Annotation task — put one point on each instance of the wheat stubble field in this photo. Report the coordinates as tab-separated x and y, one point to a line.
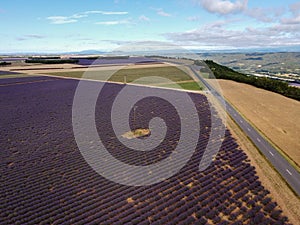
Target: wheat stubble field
274	115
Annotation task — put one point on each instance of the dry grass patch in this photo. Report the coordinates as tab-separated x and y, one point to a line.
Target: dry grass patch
136	133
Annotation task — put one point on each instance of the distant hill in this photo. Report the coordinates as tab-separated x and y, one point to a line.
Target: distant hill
250	50
86	52
177	49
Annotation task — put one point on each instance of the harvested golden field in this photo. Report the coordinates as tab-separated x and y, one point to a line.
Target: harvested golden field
273	114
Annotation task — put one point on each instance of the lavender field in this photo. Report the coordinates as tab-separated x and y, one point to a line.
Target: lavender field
45	180
2	72
111	61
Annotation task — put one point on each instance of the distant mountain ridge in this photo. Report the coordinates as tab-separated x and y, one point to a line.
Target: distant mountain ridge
87	52
195	51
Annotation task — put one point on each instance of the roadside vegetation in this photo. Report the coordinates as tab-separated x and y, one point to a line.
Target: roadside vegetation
223	72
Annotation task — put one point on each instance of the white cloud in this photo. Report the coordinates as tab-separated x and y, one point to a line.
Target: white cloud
218	35
74	18
161	12
144	18
293	20
193	18
115	22
30	36
37	36
259	14
106	12
272	15
295	10
223	7
77	16
61	19
262	14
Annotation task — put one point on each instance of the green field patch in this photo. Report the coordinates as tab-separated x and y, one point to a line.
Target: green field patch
6	76
191	85
204	75
173	74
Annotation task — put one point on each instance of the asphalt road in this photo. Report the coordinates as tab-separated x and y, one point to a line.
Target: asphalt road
287	171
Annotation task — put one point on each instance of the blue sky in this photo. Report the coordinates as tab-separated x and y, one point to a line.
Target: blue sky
51	26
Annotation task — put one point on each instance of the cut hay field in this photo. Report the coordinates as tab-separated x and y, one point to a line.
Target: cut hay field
274	115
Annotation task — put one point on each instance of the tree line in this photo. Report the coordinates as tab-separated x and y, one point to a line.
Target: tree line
223	72
5	63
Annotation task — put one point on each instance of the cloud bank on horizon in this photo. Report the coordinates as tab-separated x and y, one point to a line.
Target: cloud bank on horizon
194	24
